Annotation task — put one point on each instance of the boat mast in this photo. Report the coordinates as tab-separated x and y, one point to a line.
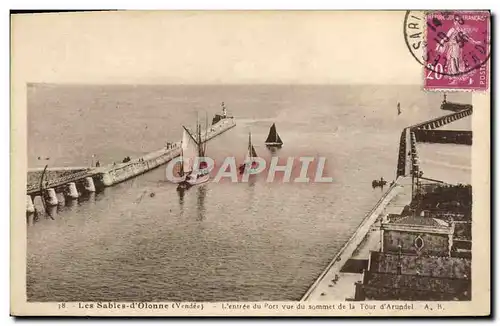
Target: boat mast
249	145
206	134
182	161
197	136
200	143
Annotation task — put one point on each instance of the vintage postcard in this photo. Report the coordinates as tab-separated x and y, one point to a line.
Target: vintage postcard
251	163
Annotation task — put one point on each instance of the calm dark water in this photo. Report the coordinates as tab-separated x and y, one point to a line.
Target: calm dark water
246	241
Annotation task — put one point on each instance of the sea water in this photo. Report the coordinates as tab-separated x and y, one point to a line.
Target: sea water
220	241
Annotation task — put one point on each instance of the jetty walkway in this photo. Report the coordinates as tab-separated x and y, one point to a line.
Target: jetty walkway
426	132
71	182
333	284
321	289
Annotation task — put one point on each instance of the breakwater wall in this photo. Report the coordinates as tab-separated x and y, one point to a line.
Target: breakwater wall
450	106
124	171
425	132
51	175
117	173
444	136
441	121
55	179
404	148
60	184
58	169
398	195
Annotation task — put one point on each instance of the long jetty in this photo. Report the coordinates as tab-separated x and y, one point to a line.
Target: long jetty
110	176
425	132
327	287
72	182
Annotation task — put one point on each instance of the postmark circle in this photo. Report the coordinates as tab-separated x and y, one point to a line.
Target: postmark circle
449	43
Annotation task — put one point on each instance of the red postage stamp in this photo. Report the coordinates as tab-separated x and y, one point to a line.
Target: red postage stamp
457	50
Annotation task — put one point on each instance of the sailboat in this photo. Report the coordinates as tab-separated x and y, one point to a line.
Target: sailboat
188	152
250	154
399	108
199	175
273	139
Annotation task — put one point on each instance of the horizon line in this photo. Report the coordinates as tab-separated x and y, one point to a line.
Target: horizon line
211	84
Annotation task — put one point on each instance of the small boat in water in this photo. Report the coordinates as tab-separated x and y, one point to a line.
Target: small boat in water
251	153
379	183
273	139
399	108
193	179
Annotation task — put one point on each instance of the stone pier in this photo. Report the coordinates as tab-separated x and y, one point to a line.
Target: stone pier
58	184
71	191
30	207
89	184
60	198
425	132
51	197
120	172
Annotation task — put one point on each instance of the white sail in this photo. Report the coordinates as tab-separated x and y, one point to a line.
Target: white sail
189	151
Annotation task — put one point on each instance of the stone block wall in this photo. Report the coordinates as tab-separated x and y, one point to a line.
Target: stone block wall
433	244
447	267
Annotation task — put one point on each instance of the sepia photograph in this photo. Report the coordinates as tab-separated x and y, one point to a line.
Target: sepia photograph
179	166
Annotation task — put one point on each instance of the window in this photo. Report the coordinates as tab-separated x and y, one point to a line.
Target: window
419	243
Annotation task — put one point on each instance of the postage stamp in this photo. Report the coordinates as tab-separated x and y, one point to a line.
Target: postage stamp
455	48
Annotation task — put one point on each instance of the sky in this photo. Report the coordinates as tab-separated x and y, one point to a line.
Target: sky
189	47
